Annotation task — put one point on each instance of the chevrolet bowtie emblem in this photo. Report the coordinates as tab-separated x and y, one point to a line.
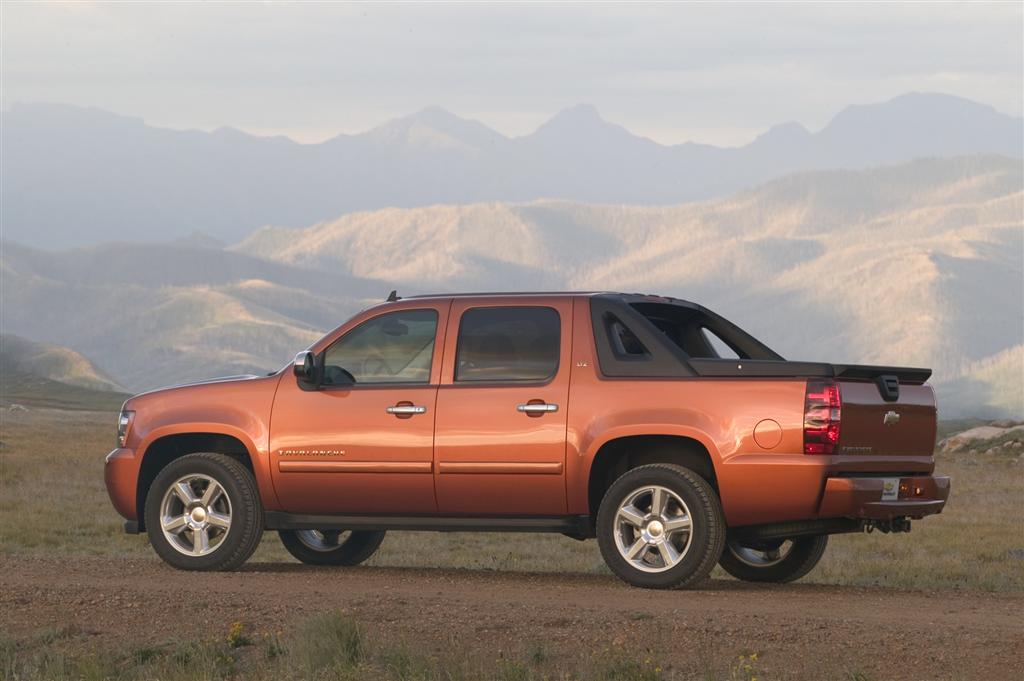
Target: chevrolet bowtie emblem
891	418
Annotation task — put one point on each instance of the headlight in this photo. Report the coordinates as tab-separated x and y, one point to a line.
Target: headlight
124	422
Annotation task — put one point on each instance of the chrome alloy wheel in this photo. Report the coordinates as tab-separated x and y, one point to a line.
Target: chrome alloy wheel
321	540
761	556
653	528
195	515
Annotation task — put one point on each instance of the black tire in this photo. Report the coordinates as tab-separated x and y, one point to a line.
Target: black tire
330	548
242	503
703	543
804	553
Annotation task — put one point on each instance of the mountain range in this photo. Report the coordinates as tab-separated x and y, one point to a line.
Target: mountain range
76	176
915	263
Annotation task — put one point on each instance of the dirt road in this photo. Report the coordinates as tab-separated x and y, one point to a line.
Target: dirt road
797	630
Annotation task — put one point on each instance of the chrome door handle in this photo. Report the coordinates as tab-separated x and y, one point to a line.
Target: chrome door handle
403	409
541	408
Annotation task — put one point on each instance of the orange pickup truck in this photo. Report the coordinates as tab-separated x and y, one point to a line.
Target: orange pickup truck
653	424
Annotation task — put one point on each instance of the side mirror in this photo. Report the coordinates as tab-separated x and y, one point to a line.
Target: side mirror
304	367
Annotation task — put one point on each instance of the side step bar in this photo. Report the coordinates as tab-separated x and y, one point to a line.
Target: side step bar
575	526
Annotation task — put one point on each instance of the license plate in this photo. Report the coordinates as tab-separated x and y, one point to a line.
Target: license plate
890	489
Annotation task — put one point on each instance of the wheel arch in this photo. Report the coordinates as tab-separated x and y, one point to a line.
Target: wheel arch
618	454
166	448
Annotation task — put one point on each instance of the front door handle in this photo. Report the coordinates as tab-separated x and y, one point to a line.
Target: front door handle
406	409
537	408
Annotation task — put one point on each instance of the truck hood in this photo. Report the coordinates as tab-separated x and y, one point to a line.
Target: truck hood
222	379
191	386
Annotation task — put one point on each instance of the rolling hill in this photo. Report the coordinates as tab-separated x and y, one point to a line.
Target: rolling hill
119	179
42	375
161	314
915	264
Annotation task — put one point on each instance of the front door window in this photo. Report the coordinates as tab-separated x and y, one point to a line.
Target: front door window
392	348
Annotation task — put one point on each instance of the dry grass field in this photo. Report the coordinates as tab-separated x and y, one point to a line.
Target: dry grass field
53	508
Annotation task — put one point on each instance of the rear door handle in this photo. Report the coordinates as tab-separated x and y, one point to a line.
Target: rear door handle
406	409
537	408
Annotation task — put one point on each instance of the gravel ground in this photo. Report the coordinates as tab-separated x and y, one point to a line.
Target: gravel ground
798	631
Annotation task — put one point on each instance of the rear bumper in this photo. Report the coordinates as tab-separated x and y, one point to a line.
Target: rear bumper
862	498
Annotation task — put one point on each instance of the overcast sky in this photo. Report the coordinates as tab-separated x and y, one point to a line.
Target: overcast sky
711	73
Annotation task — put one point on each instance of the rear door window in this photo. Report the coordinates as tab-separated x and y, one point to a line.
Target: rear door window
508	344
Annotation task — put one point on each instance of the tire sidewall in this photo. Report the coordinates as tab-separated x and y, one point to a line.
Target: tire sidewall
246	512
357	548
706	517
804	555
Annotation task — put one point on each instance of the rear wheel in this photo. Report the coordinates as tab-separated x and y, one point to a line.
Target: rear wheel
203	512
331	547
779	560
660	526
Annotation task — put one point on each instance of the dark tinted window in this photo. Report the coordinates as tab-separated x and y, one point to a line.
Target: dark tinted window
393	348
625	344
508	344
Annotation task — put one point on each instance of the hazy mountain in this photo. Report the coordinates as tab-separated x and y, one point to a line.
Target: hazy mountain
119	179
160	314
917	264
994	381
42	375
52	362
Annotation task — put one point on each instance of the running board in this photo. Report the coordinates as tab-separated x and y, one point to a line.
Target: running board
573	525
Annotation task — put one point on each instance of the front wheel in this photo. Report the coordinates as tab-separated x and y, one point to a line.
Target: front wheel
331	547
780	560
203	512
660	526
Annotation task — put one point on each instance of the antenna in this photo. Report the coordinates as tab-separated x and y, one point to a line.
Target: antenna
393	296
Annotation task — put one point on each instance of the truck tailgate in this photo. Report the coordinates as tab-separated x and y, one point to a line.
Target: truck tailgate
873	426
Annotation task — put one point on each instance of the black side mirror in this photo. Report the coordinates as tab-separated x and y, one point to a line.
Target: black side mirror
304	367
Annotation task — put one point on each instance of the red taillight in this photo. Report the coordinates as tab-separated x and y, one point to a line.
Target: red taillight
822	408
